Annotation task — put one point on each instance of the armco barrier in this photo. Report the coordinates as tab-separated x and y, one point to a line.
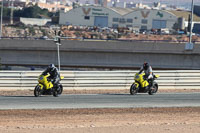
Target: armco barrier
180	79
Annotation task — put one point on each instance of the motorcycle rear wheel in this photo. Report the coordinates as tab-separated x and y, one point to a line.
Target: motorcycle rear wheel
37	92
133	89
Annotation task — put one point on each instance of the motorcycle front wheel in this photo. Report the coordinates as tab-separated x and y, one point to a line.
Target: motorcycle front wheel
153	89
55	92
37	92
133	89
60	90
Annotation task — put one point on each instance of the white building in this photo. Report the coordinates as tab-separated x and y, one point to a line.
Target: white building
42	1
34	21
118	17
88	16
147	19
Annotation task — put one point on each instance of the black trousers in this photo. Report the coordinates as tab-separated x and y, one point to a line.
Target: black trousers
150	81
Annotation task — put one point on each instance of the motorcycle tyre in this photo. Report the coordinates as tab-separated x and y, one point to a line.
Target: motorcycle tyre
151	92
133	89
55	92
60	90
37	92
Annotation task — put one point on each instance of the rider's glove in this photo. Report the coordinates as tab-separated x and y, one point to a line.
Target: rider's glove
150	76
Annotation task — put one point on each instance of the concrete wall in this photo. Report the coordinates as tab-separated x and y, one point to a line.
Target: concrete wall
103	54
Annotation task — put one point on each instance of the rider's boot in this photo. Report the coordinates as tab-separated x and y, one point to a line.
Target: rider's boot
150	83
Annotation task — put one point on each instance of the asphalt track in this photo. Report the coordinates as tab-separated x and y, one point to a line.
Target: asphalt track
101	101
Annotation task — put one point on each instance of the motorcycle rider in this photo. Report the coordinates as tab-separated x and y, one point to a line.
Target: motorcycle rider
148	73
54	74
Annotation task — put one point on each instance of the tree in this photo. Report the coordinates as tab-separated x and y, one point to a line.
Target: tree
29	12
6	11
32	12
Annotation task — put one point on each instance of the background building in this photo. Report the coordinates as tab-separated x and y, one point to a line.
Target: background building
101	2
88	16
34	21
54	7
140	18
118	17
147	19
197	10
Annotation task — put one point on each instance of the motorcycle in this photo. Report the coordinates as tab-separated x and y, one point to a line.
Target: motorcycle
141	85
46	87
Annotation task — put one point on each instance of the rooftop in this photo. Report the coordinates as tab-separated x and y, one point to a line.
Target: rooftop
122	11
184	14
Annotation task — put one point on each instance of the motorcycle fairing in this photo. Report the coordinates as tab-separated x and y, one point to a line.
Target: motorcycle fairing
43	81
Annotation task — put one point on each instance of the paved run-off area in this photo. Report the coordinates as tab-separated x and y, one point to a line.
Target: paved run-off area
128	120
114	100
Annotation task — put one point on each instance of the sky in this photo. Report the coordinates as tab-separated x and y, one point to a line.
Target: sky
178	3
183	3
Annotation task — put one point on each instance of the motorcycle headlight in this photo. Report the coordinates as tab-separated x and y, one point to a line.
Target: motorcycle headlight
41	78
136	77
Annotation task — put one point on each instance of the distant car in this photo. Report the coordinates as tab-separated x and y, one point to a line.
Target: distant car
44	38
181	32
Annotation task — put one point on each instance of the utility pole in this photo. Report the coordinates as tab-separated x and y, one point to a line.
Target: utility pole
190	45
56	6
1	18
11	12
192	8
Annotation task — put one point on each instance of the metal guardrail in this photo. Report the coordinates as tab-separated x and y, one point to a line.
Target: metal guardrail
179	79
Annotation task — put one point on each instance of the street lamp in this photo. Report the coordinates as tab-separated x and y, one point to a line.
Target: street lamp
190	45
57	41
58	44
